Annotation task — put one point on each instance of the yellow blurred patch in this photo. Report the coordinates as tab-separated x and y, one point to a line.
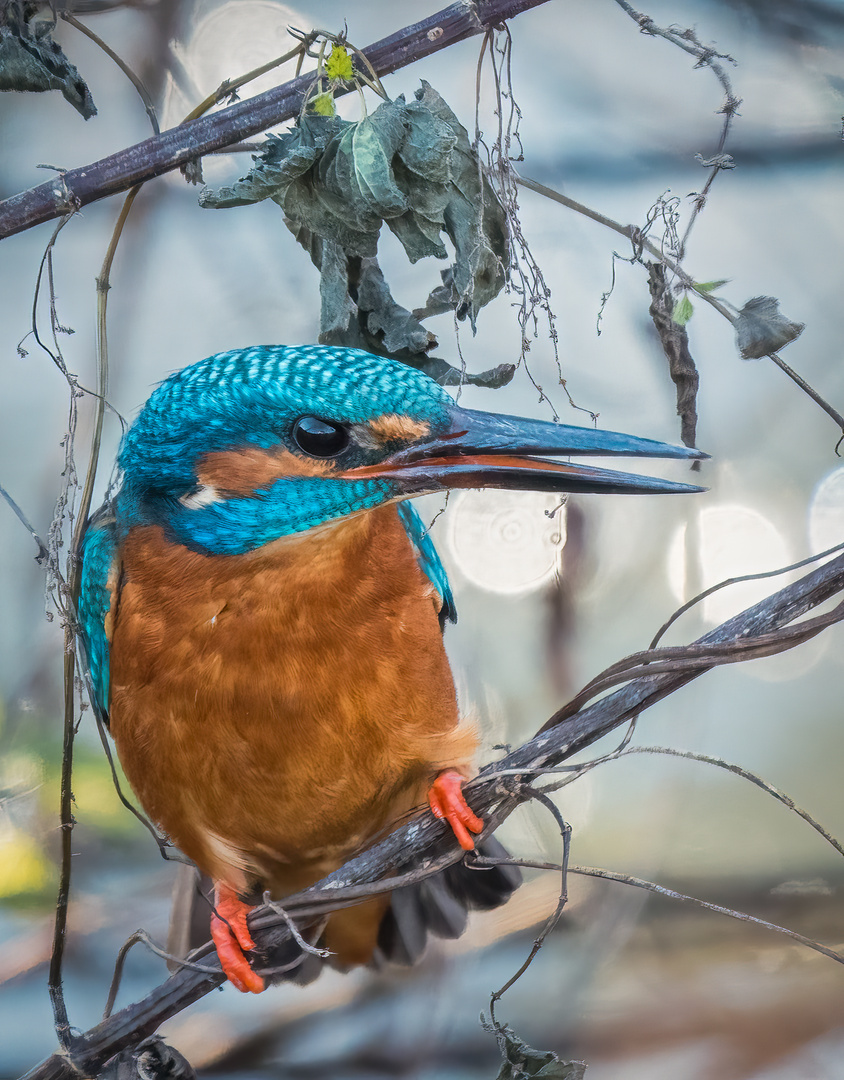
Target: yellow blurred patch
23	868
21	771
96	800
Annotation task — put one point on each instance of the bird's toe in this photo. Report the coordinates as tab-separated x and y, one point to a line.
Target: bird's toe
232	939
446	800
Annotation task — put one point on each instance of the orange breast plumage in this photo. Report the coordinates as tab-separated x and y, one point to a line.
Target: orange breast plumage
302	687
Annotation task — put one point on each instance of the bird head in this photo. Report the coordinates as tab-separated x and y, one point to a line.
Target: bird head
248	446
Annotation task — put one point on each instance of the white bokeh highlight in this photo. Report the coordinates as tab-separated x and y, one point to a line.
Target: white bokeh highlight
507	541
723	542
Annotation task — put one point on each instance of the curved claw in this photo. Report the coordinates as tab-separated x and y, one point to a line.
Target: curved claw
232	938
445	798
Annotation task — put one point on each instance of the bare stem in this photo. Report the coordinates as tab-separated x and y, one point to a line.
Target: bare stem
229	87
143	93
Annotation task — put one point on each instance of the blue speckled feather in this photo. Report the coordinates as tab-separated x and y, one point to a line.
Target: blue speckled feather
239	397
428	559
98	554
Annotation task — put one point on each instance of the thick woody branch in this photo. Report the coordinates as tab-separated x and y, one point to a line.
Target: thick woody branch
71	190
422	846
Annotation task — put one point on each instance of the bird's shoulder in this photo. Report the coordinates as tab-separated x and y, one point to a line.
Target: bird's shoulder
97	598
429	560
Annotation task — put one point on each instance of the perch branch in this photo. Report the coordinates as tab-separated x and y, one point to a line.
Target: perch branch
421	846
163	153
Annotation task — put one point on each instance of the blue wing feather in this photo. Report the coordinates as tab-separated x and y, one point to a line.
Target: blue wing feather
99	552
428	559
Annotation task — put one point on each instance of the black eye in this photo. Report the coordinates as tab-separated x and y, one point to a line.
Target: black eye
320	438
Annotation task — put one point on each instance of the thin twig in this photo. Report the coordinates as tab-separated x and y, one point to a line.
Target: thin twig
706	56
143	93
306	946
702	655
43	553
168	853
554	918
524	274
632	233
141	937
661	890
62	592
229	87
807	389
730	766
758	576
671	894
71	598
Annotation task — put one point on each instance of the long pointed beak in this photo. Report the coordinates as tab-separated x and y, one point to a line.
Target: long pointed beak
481	449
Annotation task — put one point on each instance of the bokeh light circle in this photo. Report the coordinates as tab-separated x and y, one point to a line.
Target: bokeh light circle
506	541
723	542
826	512
228	40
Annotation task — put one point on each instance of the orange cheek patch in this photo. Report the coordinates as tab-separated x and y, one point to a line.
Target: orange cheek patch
391	428
253	468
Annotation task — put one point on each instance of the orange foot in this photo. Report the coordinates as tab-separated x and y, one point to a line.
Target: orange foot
232	938
446	800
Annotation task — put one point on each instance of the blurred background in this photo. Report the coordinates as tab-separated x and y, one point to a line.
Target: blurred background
639	987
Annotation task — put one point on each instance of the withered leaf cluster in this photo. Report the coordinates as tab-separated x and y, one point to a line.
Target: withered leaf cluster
409	165
520	1060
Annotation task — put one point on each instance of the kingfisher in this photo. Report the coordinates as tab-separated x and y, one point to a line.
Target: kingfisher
261	610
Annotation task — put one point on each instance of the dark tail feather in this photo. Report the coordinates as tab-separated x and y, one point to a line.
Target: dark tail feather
440	905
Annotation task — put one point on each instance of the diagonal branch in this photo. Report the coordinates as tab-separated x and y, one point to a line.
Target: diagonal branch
422	847
162	153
